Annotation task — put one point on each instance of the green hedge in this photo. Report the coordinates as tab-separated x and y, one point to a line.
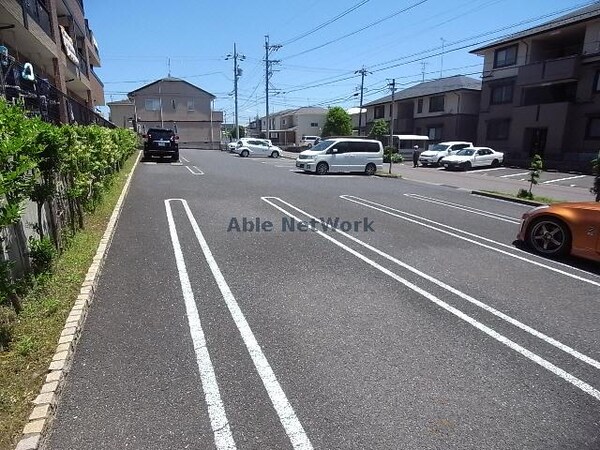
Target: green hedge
45	163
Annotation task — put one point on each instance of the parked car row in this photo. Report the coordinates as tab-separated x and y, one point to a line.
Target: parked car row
460	155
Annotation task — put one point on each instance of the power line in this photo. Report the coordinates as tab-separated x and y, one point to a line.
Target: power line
372	24
324	24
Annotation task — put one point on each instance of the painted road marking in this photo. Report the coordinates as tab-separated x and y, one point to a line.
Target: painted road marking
411	218
585	387
185	159
514	175
197	172
563	179
475	170
216	410
465	208
282	406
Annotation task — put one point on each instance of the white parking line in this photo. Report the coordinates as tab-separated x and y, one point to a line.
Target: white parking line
184	159
465	208
514	175
282	406
489	170
563	179
216	410
411	218
198	171
585	387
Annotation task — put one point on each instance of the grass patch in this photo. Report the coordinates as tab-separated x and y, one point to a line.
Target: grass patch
536	198
23	368
387	175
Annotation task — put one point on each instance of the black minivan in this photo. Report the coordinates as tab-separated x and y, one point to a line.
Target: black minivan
162	143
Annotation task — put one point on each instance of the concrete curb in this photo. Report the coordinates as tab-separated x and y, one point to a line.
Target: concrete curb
508	199
45	403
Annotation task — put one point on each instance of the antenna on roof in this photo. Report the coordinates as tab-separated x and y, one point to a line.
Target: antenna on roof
169	66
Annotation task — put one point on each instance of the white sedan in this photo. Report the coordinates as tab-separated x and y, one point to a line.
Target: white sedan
257	147
470	157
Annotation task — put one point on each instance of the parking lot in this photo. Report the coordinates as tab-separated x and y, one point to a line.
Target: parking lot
245	304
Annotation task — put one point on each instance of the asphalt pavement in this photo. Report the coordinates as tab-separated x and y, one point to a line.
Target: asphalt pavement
222	320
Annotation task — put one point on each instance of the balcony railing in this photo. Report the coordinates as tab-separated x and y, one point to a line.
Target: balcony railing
38	12
549	70
83	65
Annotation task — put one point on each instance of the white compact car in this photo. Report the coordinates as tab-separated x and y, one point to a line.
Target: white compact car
342	155
470	157
434	155
257	147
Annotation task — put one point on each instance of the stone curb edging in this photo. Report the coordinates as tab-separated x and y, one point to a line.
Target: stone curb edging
508	199
45	402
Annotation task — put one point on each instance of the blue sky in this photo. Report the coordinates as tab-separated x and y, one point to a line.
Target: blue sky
136	43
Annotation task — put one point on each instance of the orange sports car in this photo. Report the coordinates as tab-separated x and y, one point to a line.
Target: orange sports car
563	228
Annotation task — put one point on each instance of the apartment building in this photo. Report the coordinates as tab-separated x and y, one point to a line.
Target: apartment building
445	109
56	39
171	103
541	92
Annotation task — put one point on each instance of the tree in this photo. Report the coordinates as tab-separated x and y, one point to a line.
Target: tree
337	123
596	171
242	132
379	129
534	174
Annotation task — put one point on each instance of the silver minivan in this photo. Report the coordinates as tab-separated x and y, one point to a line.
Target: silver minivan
342	155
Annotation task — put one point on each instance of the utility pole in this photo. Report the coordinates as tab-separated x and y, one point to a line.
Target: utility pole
237	73
363	72
442	55
423	65
393	88
268	74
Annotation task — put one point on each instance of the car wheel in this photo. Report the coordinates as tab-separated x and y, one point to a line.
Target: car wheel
275	154
439	162
244	153
175	157
549	236
467	166
322	168
370	169
495	163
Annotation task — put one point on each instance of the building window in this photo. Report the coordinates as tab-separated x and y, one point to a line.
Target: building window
152	104
506	56
597	82
420	105
173	104
436	104
497	130
314	124
435	132
593	128
379	111
190	105
502	94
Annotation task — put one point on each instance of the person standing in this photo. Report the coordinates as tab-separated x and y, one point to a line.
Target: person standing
416	154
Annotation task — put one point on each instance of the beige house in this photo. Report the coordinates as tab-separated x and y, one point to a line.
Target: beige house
55	37
289	126
445	109
171	103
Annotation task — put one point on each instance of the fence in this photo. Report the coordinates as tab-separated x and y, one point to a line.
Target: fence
42	98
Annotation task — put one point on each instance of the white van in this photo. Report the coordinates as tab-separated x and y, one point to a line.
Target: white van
342	155
309	141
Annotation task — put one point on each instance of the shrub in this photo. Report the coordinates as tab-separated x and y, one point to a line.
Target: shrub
524	193
8	320
42	253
